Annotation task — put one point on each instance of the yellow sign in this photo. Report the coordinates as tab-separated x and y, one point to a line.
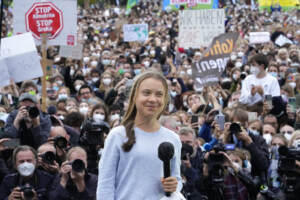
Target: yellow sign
282	3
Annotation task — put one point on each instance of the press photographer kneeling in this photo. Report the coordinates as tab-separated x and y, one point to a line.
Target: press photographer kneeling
29	182
74	181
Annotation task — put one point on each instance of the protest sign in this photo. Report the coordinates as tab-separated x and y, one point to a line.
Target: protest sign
208	70
57	18
190	4
282	40
21	62
135	32
259	37
74	52
197	28
285	4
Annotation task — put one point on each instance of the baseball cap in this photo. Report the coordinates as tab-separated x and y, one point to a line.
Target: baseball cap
27	96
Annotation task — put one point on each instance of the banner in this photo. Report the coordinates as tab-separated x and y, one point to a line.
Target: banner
190	4
208	70
285	4
135	32
197	28
74	52
57	18
19	62
259	37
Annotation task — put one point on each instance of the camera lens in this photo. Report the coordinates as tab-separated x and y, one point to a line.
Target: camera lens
60	142
33	112
48	157
78	165
235	128
28	192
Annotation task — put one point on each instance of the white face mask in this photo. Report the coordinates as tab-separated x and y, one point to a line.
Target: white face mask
288	136
94	63
59	82
235	77
254	70
240	54
114	117
248	166
267	137
146	63
189	71
86	59
105	62
26	169
254	132
106	81
238	64
77	87
62	96
95	79
98	118
233	57
173	93
72	72
292	84
83	110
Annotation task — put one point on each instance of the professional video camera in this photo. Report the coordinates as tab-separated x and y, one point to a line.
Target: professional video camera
288	171
27	191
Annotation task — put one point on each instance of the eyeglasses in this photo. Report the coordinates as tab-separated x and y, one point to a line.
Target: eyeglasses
284	132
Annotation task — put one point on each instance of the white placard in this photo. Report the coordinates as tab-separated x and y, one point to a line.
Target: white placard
259	37
282	40
135	32
197	28
74	52
19	62
69	20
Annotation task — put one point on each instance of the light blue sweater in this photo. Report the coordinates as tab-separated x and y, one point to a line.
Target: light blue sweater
136	175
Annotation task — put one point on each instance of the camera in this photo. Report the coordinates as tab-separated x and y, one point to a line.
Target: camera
27	191
60	142
235	128
78	165
92	133
48	157
33	111
185	150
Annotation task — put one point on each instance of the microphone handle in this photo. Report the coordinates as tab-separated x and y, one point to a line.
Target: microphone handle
167	173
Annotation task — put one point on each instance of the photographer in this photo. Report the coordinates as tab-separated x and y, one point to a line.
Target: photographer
28	182
46	159
74	181
28	123
255	144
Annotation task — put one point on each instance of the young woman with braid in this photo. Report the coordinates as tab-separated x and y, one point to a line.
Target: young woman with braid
129	167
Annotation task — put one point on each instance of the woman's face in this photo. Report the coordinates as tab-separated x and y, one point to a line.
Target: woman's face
236	159
149	100
63	91
99	111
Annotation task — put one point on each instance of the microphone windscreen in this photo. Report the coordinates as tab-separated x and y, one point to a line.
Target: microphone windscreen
207	146
166	151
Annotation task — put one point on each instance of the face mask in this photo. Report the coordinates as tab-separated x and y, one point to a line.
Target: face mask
94	63
292	84
95	79
248	166
189	71
254	132
86	59
146	63
102	42
83	110
26	169
105	34
106	62
114	117
106	81
133	60
267	137
185	104
182	73
288	136
254	70
235	77
77	87
98	118
164	48
96	39
274	74
59	82
233	57
173	93
72	72
62	96
240	54
238	64
137	71
152	53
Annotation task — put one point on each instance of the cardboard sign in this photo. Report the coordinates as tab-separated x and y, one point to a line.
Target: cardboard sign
135	32
57	18
208	70
197	28
19	62
259	37
74	52
282	40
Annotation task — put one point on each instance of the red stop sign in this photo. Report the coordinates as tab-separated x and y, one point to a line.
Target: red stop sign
44	17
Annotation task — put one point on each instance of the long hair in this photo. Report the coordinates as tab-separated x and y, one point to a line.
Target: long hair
129	117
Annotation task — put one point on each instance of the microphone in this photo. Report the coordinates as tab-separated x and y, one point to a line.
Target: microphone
166	153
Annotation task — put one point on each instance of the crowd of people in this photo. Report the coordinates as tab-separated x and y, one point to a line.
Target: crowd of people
235	140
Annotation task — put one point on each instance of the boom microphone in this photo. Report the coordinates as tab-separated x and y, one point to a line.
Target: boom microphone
166	153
